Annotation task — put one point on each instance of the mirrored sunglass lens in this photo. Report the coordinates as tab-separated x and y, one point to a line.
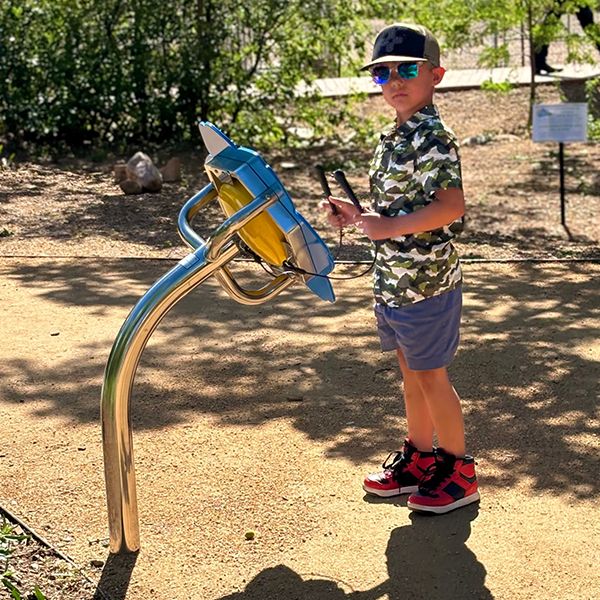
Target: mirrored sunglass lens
408	70
380	75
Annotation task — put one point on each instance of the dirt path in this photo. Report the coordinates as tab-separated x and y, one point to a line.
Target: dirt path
511	185
267	418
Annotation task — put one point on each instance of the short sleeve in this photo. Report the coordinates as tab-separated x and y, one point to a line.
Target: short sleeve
439	163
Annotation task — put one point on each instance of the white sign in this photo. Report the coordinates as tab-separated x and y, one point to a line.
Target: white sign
565	122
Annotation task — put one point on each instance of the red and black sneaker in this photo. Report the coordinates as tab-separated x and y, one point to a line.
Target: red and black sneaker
449	483
402	471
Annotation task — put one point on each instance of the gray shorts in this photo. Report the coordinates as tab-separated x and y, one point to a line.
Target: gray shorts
427	332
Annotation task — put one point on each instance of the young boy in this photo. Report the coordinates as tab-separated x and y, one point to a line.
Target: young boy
417	210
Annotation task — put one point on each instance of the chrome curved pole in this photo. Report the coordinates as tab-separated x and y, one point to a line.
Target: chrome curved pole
224	276
251	297
129	344
189	211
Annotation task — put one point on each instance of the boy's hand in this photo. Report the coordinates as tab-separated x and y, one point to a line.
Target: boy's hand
377	227
347	213
372	224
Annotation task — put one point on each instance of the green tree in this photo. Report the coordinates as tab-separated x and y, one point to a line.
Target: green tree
463	23
82	72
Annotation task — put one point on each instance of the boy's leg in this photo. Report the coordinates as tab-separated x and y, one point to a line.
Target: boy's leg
451	482
404	469
444	409
420	425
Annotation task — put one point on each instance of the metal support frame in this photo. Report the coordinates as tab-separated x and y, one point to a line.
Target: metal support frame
209	257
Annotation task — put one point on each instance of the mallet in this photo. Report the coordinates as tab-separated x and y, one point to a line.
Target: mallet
340	177
320	171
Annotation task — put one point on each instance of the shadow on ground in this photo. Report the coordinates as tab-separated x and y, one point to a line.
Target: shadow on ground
115	578
529	388
426	560
515	216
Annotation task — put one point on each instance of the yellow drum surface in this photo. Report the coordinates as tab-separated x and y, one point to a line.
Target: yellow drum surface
262	234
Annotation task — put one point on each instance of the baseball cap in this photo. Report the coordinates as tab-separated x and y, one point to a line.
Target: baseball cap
405	42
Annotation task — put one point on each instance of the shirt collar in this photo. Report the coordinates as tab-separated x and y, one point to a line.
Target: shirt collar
423	114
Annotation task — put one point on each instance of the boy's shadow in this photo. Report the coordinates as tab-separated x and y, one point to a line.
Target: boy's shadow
429	559
426	560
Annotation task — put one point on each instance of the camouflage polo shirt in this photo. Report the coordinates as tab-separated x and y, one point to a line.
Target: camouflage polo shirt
410	163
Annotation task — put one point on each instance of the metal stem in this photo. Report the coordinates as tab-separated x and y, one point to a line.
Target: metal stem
131	340
561	165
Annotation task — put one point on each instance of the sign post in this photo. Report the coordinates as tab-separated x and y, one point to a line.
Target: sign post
560	123
561	162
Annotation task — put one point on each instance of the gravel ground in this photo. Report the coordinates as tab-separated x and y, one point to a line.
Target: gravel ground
511	186
72	209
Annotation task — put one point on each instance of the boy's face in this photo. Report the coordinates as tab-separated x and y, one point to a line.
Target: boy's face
407	96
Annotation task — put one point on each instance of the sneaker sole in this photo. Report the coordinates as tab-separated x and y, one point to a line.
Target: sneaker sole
411	489
440	510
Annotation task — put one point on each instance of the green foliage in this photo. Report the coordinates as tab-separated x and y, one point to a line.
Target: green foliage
38	593
464	23
500	87
461	23
592	89
8	538
494	56
79	72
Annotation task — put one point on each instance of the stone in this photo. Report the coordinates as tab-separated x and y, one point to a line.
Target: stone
120	171
130	186
507	137
171	172
477	140
140	168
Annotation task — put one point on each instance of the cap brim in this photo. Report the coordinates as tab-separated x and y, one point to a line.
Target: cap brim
392	58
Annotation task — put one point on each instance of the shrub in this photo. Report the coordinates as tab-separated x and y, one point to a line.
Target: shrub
81	72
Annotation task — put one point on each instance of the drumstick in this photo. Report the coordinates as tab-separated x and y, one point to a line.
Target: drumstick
325	186
340	177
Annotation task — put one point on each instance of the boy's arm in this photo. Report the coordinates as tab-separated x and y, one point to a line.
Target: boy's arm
449	205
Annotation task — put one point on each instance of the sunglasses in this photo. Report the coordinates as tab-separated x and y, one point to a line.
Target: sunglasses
382	74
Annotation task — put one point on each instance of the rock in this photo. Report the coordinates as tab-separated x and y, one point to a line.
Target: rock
141	169
477	140
303	133
171	172
129	186
120	171
507	137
